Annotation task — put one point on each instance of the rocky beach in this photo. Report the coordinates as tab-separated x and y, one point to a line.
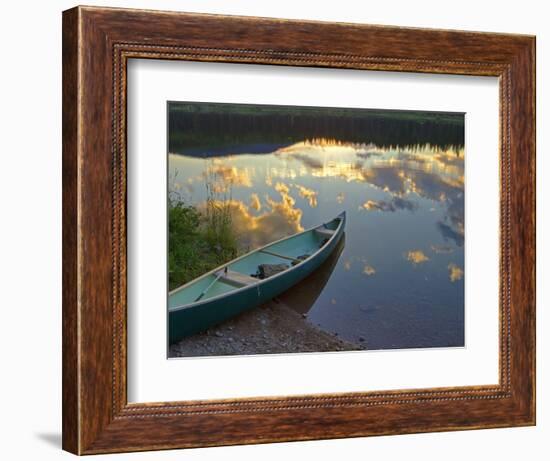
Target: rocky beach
273	328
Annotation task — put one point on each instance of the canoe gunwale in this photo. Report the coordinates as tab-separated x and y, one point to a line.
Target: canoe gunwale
337	233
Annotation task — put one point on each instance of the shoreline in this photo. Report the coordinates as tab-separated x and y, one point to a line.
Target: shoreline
273	328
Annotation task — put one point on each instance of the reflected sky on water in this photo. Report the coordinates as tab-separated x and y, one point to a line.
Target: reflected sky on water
399	280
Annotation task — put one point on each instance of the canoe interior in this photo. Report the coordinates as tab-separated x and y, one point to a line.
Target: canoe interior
305	243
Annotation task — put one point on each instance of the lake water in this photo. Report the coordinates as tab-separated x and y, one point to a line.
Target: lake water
398	279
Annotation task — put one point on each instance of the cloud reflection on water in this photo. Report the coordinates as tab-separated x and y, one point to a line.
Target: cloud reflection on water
227	175
369	270
280	219
309	194
455	272
255	203
428	172
417	257
396	203
402	176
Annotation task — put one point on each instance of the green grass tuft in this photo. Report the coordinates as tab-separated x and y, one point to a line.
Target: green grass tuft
199	241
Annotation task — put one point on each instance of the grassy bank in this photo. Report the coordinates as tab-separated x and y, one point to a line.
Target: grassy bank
198	241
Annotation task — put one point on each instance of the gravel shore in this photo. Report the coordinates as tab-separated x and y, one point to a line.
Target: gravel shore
273	328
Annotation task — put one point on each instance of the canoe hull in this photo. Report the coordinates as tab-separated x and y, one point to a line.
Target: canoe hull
194	319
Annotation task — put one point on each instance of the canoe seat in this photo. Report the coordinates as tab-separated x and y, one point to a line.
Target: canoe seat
324	232
272	253
237	279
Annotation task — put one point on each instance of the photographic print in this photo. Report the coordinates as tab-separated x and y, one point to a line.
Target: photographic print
313	229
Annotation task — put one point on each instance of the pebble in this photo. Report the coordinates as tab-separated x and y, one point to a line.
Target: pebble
272	330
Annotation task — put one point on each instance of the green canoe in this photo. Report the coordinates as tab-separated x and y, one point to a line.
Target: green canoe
250	280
